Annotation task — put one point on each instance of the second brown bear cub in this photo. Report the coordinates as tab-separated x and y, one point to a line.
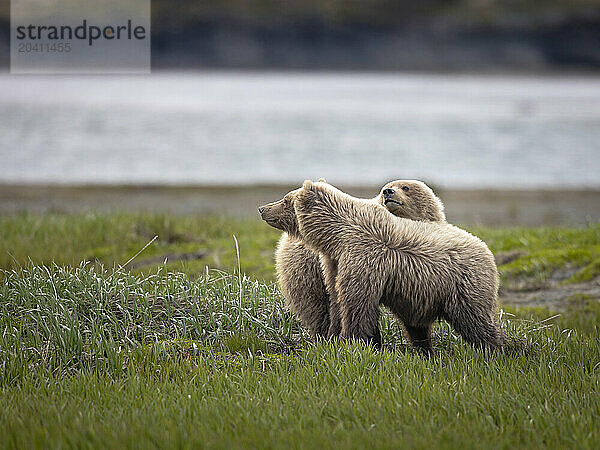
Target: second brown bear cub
422	271
299	269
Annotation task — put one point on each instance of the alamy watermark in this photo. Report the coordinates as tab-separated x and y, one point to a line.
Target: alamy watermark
80	36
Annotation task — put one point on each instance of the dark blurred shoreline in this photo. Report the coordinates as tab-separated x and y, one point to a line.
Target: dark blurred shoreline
472	207
572	45
383	35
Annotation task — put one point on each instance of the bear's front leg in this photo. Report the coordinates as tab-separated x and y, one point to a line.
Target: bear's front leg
301	281
359	293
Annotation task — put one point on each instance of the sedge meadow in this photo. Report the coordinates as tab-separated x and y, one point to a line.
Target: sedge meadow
199	350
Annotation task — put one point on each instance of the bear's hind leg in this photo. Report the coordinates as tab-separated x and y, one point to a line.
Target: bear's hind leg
420	337
477	326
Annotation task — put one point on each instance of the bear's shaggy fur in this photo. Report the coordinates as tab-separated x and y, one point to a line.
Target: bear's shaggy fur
422	271
299	269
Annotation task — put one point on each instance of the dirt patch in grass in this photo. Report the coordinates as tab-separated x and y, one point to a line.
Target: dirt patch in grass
555	296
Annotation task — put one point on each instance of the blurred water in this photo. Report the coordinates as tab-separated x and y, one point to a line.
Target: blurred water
459	131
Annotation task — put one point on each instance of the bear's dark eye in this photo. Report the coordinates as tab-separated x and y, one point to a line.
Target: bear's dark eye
405	188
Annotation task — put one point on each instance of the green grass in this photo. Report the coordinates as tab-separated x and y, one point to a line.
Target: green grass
109	359
573	253
114	238
568	254
581	313
178	356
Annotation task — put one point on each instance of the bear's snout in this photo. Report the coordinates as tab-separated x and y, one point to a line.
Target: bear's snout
388	192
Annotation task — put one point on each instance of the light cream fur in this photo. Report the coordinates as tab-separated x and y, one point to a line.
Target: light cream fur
299	270
422	271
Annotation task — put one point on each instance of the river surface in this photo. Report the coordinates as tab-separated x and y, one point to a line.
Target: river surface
361	129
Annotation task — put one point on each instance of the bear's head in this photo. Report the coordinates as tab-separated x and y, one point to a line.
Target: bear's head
281	214
412	199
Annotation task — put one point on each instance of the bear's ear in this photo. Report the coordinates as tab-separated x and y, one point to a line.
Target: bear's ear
307	185
322	180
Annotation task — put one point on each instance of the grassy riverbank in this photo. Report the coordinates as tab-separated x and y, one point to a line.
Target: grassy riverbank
527	257
171	354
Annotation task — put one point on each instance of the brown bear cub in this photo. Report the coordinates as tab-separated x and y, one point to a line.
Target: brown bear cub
299	269
422	271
